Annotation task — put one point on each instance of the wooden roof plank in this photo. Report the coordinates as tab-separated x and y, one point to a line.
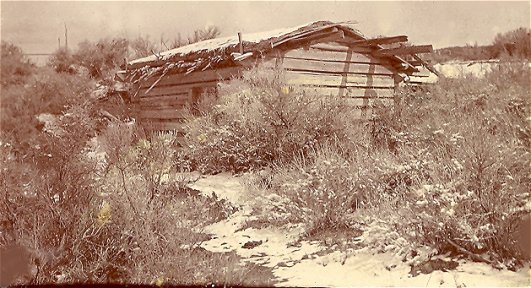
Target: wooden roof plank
404	50
304	34
376	41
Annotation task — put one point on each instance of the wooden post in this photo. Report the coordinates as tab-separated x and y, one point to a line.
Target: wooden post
241	43
66	38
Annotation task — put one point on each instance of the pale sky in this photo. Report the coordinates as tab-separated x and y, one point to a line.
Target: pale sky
35	26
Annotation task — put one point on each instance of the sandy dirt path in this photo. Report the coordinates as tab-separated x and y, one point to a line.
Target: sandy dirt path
298	265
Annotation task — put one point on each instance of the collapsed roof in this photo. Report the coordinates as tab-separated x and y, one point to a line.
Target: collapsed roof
232	50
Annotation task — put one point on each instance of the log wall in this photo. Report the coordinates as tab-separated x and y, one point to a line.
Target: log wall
164	106
322	69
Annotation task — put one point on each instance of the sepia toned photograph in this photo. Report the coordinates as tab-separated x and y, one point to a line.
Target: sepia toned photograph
265	143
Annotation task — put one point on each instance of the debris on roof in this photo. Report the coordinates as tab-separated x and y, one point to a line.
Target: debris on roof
232	41
227	51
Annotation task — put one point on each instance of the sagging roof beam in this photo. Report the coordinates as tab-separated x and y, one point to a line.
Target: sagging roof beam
320	37
376	41
303	34
404	50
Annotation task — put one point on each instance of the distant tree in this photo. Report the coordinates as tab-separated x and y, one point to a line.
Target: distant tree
15	68
515	43
177	42
62	61
209	32
141	47
45	91
103	57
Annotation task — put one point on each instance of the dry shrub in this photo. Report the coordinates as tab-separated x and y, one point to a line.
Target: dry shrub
446	170
461	150
46	193
113	213
322	186
99	209
145	224
259	120
43	92
320	190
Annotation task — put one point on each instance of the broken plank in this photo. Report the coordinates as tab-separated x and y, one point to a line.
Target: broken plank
298	78
423	72
427	80
195	77
306	34
331	56
404	50
426	64
174	89
341	48
317	38
334	67
375	41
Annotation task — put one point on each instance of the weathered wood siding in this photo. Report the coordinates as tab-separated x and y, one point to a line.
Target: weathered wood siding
321	69
332	69
163	107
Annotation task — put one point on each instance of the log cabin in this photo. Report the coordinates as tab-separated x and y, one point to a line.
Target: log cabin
328	58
